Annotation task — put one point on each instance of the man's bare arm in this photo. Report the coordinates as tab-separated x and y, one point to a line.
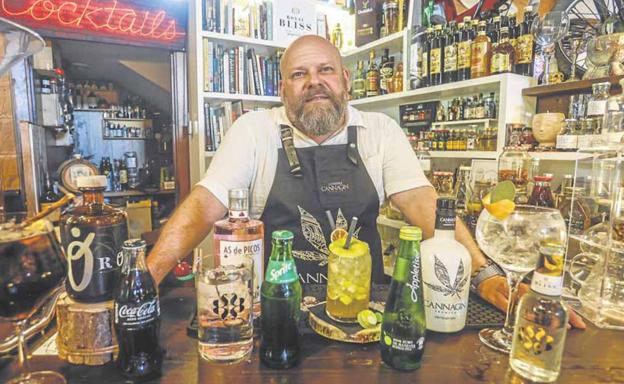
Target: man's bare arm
190	223
419	206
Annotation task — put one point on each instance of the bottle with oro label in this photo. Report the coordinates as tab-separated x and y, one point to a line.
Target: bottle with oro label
446	266
541	321
403	328
92	235
280	345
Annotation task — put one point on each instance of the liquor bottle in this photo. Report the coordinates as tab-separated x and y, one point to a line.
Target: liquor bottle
137	316
481	51
280	345
386	70
238	236
450	55
372	76
436	57
446	266
503	55
92	235
463	52
358	89
50	196
542	319
397	78
513	29
403	329
123	175
525	50
426	81
494	30
541	195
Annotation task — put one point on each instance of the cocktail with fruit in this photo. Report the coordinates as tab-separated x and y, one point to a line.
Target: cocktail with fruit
348	281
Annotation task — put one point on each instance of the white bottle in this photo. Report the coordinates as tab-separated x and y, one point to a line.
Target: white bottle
446	266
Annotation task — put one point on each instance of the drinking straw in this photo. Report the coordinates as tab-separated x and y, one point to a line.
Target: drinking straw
330	218
351	231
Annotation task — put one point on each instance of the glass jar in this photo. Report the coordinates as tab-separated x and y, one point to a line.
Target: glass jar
443	183
474	205
541	195
574	210
391	16
597	104
514	165
613	122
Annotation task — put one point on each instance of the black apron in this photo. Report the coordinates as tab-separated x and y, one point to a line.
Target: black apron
310	181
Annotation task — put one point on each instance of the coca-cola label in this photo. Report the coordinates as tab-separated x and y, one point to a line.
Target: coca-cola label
93	260
136	315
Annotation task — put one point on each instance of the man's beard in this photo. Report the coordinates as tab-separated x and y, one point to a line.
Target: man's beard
317	119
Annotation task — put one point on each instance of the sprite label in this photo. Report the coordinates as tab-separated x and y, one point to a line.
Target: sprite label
281	272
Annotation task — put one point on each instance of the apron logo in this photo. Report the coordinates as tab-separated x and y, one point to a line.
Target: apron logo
335	187
313	233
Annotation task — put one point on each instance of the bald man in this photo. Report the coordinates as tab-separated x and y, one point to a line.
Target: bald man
314	155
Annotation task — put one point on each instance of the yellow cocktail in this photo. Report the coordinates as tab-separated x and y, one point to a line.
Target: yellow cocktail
348	280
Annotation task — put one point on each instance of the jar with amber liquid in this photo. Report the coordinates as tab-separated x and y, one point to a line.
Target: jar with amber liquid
92	235
514	165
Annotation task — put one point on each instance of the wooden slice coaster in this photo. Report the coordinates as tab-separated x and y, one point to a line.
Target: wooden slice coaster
345	332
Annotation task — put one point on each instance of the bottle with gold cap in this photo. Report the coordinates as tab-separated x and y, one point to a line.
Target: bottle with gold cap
403	328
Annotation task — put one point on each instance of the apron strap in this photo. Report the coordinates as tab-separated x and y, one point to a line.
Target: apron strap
352	150
286	135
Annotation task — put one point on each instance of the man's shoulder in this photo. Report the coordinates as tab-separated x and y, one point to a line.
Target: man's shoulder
372	119
257	123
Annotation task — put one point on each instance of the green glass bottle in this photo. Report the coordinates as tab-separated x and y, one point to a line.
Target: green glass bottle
280	302
403	329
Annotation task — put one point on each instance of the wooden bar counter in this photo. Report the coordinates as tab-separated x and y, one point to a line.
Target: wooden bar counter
591	356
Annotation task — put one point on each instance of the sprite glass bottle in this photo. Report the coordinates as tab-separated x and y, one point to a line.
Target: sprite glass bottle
280	302
403	327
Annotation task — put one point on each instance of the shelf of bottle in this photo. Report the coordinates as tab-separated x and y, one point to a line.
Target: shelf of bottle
244	97
571	87
92	110
436	92
138	193
126	119
487	122
124	138
464	154
224	37
393	42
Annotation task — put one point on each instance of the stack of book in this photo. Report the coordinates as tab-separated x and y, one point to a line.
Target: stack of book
218	119
240	70
246	18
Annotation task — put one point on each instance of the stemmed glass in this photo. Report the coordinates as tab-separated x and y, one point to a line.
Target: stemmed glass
32	269
515	244
548	30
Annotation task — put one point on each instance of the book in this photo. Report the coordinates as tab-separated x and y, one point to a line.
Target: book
293	18
239	17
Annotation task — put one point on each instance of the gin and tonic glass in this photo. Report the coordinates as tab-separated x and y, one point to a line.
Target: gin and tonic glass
515	244
548	30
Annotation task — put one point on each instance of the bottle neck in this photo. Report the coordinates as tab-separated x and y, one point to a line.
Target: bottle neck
281	250
408	259
134	260
445	223
239	209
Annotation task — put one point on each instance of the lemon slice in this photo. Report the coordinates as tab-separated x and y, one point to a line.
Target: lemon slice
379	317
501	209
367	318
338	233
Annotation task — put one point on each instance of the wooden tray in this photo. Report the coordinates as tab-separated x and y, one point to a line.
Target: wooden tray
345	332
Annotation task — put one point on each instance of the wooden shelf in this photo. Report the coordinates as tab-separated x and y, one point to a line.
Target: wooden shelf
394	42
243	97
572	87
223	37
464	122
131	193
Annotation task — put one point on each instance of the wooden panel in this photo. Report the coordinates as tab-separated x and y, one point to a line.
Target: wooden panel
9	169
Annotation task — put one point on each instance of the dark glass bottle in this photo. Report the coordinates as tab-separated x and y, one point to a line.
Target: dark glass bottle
280	345
92	235
450	54
542	194
503	55
403	330
426	46
463	52
525	47
436	56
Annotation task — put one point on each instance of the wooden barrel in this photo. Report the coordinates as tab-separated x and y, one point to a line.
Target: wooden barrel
85	332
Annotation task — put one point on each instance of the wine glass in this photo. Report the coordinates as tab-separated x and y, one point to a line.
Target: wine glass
548	30
32	269
515	244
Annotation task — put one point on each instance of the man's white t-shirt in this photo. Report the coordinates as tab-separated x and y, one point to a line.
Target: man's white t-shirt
247	156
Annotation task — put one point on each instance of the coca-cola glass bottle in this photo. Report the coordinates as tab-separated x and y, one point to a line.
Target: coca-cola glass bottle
137	316
92	235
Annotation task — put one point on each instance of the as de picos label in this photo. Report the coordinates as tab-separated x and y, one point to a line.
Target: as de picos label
281	272
134	316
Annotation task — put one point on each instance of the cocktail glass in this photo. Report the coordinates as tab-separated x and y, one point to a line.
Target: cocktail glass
348	280
515	244
549	29
32	270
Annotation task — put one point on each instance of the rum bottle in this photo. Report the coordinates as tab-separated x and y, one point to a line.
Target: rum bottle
481	51
525	50
541	321
503	55
372	76
450	55
436	56
239	236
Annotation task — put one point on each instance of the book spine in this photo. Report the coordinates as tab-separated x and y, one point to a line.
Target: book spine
207	52
226	71
232	70
260	77
255	72
269	20
207	129
213	128
218	60
241	69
